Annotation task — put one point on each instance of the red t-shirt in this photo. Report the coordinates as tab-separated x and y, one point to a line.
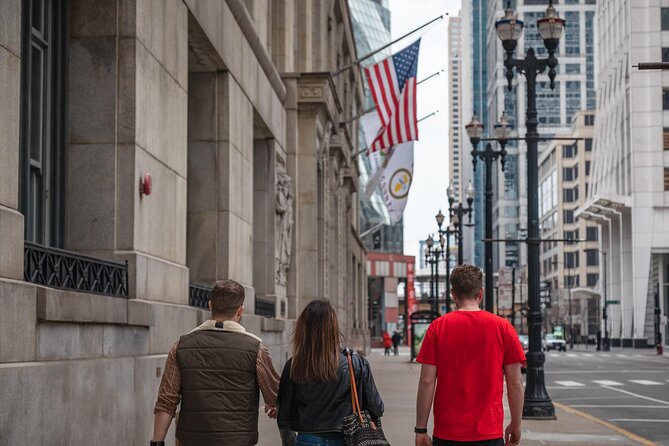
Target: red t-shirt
470	349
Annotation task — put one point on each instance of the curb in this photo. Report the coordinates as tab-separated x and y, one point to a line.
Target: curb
613	427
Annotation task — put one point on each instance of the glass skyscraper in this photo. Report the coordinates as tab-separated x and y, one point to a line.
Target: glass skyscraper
371	30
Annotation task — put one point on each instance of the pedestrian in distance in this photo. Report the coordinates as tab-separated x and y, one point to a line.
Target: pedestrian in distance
397	338
466	354
387	343
216	371
315	392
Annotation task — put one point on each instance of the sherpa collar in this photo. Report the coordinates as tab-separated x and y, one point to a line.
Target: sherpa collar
227	326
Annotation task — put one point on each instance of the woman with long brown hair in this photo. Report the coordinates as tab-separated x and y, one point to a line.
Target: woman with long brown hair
314	393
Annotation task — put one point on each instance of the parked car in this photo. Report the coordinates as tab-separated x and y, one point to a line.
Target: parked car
524	341
551	342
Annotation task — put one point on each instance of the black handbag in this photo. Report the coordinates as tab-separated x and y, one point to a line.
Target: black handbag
359	429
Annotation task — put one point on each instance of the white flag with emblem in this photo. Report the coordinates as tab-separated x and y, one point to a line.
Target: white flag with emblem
396	180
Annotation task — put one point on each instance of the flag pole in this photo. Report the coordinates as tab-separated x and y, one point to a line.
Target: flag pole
371	109
367	56
360	152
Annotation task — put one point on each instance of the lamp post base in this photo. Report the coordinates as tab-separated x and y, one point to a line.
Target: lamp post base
539	410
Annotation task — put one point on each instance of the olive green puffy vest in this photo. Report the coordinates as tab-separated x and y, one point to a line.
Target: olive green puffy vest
219	389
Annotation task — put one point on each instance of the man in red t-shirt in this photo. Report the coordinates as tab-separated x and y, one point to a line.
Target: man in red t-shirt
466	354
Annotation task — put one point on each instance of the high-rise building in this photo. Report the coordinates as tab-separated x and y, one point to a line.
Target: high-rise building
456	153
473	99
574	91
371	30
629	194
564	177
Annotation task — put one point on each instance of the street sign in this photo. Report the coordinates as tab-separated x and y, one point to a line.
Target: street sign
612	302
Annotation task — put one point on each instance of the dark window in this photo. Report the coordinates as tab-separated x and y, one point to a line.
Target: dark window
43	109
665	99
665	19
588	144
587	168
592	279
592	258
665	54
569	151
568	216
570	173
590	120
571	260
571	281
592	233
665	138
570	195
666	178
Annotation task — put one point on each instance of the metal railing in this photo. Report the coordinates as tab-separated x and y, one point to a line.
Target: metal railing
265	308
198	295
58	268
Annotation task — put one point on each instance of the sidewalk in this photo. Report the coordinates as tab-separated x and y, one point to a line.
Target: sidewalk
397	380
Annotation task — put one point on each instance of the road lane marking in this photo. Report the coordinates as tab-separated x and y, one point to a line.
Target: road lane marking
572	355
646	382
606	382
620	355
588	355
637	395
570	383
606	424
604	355
638	420
551	438
617	406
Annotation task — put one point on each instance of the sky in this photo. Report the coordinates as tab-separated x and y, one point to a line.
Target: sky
431	177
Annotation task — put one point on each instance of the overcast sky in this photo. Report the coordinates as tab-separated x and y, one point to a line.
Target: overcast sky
428	191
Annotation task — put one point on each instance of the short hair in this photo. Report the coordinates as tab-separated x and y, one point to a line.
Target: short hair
466	281
226	298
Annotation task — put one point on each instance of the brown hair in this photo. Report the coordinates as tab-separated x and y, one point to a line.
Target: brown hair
466	281
316	344
226	298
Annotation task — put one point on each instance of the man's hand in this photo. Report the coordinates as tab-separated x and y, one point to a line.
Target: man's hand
423	440
511	434
270	411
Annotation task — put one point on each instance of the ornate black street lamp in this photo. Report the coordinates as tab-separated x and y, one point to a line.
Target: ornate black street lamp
433	256
538	404
502	134
446	233
458	212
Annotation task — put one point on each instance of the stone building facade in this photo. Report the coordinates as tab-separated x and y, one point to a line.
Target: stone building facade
150	148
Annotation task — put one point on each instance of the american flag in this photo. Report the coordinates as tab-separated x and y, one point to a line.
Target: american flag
393	85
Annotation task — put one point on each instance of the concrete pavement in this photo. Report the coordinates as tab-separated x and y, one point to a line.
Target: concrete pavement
397	380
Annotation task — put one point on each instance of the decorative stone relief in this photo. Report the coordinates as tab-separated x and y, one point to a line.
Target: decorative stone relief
284	224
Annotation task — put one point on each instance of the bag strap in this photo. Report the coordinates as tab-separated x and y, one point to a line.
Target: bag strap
355	402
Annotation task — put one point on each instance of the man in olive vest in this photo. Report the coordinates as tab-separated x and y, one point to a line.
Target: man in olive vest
216	371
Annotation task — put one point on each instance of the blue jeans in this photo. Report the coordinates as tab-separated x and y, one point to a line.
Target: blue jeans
322	439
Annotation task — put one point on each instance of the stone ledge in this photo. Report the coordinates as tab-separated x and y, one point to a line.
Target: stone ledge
273	324
57	305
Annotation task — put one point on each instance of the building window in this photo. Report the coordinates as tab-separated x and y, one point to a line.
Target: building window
665	99
592	233
568	216
665	19
666	179
665	54
570	173
592	279
665	138
588	144
43	121
569	151
592	258
571	260
571	281
589	120
570	195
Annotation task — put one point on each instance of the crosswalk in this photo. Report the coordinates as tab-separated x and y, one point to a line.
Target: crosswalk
607	383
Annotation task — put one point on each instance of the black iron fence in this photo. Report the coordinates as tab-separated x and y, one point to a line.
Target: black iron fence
198	295
58	268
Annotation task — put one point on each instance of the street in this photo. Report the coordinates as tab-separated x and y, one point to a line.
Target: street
625	387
